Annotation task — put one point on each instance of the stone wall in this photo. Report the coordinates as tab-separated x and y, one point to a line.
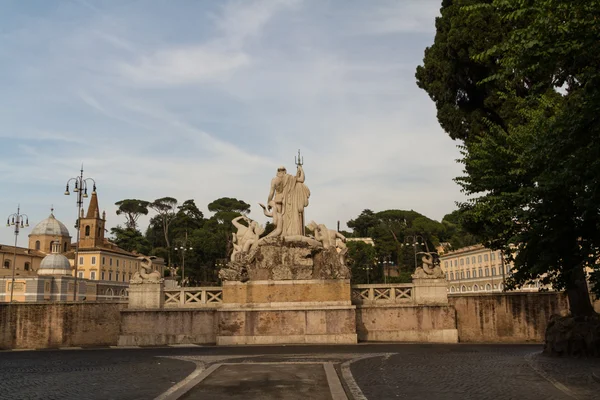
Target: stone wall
406	323
162	327
506	318
37	325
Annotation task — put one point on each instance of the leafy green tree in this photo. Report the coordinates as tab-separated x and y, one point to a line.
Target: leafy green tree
227	208
362	226
132	209
165	208
362	261
130	240
455	233
532	173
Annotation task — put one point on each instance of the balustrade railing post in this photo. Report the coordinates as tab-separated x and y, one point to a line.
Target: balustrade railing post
182	297
203	296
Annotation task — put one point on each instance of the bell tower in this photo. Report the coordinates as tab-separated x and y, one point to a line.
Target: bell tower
91	227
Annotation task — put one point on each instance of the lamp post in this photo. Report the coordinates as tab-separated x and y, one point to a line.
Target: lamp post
183	248
386	262
16	220
414	241
367	268
80	187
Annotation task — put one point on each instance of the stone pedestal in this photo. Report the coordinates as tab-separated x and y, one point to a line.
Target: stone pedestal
146	296
287	312
430	291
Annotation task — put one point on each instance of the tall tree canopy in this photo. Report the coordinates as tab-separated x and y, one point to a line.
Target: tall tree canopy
132	209
165	208
530	153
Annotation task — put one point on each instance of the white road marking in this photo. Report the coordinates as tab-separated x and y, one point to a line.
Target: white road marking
335	386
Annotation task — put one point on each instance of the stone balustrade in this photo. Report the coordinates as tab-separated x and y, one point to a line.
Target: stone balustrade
193	297
375	294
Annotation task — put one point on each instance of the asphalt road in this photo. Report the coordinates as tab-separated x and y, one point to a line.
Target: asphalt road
371	371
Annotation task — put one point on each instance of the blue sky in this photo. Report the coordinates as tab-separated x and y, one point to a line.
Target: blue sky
205	99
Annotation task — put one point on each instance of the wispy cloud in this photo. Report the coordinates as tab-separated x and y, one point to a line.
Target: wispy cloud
184	66
206	100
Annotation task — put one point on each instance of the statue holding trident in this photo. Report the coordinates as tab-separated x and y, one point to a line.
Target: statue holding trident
289	195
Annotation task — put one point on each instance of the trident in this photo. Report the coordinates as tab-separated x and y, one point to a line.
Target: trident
299	160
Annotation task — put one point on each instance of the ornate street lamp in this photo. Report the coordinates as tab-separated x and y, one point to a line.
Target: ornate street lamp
386	263
81	188
414	241
16	220
183	248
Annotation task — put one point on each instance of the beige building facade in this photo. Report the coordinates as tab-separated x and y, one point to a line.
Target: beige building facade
476	268
98	258
27	261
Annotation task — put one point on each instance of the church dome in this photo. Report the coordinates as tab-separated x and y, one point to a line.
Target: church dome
50	227
55	263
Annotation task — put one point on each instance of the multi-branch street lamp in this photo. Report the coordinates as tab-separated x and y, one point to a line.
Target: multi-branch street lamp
16	220
368	269
81	188
414	241
183	248
386	263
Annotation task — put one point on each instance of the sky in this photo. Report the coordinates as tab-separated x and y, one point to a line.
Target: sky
205	99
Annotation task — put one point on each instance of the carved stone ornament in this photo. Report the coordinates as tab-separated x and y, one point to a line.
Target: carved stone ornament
146	274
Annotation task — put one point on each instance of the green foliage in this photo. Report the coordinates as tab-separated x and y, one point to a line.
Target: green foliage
456	234
130	240
132	209
362	226
392	229
530	153
362	262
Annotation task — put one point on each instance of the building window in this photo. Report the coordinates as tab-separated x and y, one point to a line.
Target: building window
93	275
455	263
110	276
474	273
93	260
80	274
27	266
462	275
480	272
80	260
493	271
479	259
117	262
462	261
488	287
502	270
451	276
446	276
487	272
468	274
6	263
452	289
473	260
463	288
485	257
103	260
129	276
493	256
64	247
110	261
102	275
117	277
475	288
37	244
445	264
124	276
87	230
468	260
